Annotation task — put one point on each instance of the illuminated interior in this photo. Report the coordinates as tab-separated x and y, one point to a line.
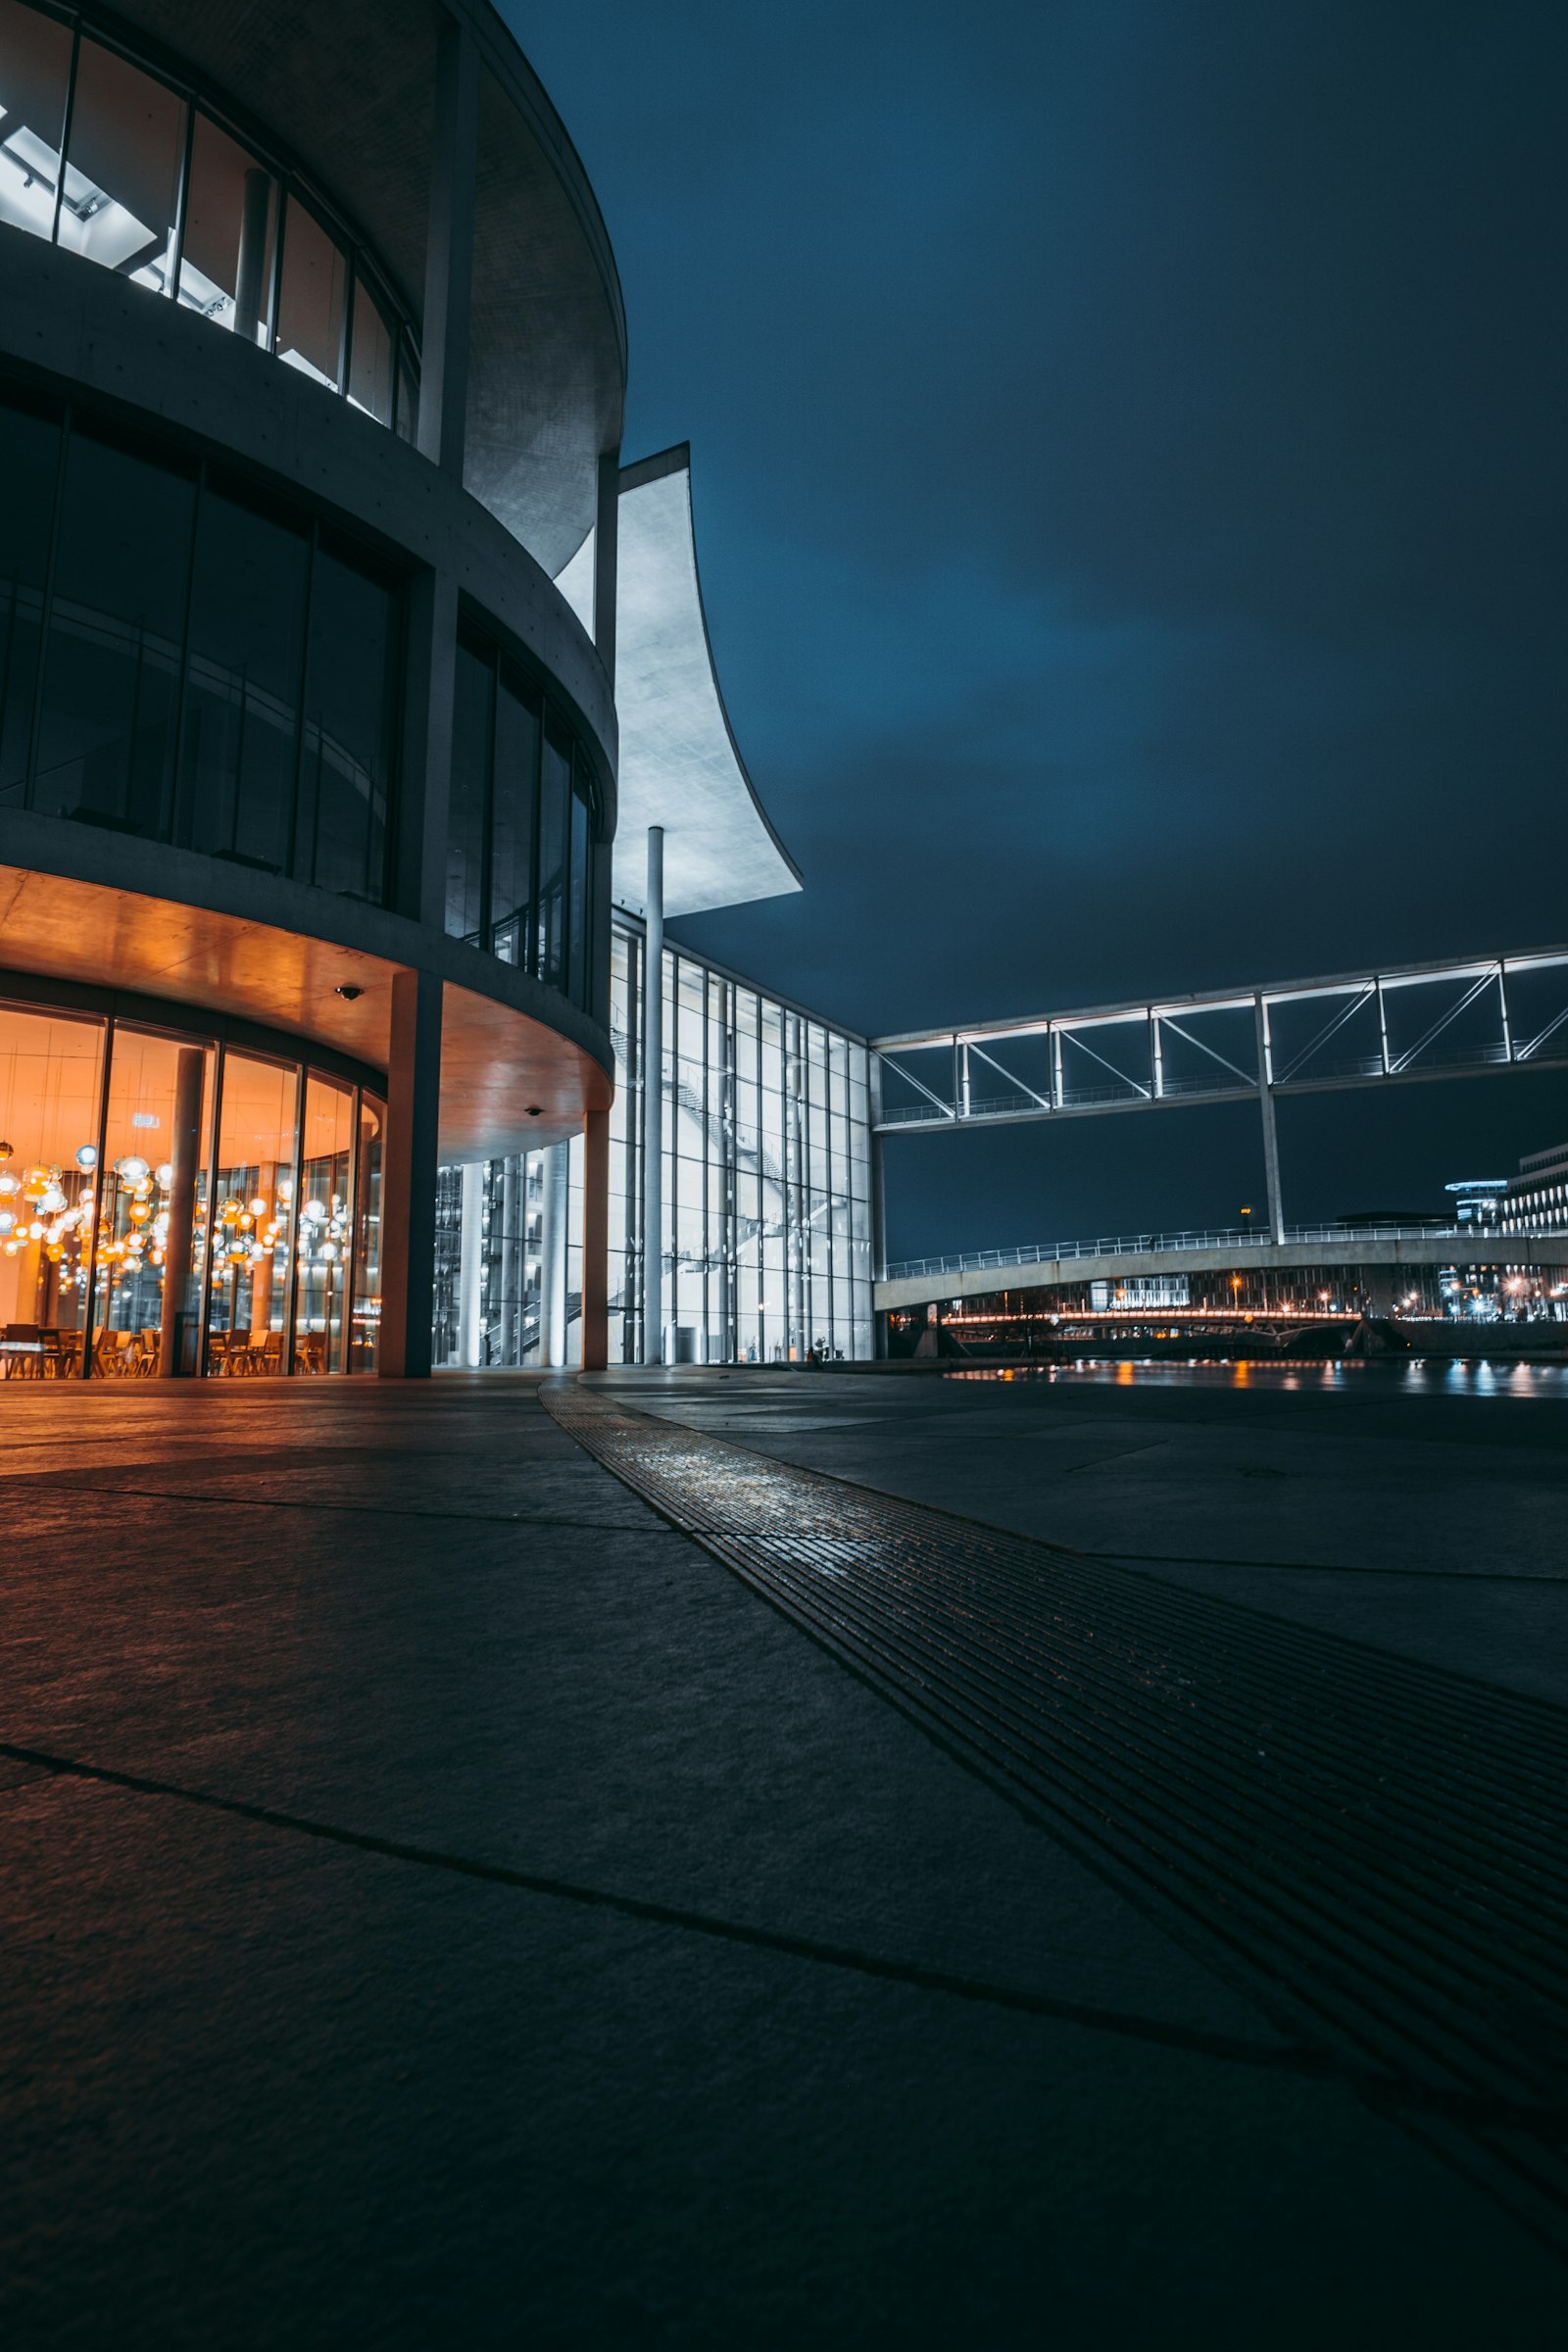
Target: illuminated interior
249	1252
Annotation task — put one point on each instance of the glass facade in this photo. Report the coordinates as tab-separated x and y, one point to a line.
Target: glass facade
172	1201
112	158
185	661
766	1194
522	825
766	1172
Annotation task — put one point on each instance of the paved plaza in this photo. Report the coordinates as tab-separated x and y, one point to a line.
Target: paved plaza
447	1902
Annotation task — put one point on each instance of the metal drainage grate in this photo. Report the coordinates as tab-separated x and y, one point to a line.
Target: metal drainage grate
1374	1851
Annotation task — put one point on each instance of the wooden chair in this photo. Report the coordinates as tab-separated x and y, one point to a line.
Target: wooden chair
24	1353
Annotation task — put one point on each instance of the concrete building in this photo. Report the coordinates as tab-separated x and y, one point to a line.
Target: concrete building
316	565
1537	1198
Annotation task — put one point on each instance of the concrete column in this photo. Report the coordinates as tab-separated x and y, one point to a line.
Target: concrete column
449	251
470	1269
1272	1148
424	785
596	1242
654	1104
185	1156
553	1257
251	290
408	1177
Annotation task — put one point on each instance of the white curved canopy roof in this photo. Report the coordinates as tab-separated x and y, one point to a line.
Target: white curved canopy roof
679	764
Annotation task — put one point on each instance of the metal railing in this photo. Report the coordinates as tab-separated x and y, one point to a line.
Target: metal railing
1130	1245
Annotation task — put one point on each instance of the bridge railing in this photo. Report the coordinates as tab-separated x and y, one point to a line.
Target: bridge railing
1237	1237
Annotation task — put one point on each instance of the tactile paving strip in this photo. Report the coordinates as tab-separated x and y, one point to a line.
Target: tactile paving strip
1375	1851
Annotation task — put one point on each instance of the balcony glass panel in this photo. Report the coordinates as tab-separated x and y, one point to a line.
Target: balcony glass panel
128	196
34	75
124	154
370	357
310	304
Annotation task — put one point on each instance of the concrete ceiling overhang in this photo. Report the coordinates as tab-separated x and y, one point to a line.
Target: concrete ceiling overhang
680	766
348	90
510	1080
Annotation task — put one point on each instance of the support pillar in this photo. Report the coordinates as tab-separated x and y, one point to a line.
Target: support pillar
654	1104
407	1180
1271	1147
185	1156
470	1269
596	1242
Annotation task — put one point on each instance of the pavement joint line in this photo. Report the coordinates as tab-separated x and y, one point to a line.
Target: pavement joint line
371	1510
1202	1559
1284	2057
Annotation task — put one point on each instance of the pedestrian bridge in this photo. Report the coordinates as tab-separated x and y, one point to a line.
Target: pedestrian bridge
1123	1257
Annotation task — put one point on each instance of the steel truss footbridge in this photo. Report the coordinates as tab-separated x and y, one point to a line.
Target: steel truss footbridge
1457	1019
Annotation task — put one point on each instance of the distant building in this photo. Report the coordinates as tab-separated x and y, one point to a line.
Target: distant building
1477	1200
1537	1199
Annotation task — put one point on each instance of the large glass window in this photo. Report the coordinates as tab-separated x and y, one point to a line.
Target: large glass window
200	218
468	808
522	804
555	845
214	671
323	1248
131	1234
765	1241
516	767
365	1321
253	1218
51	1070
579	896
29	459
349	739
152	1205
242	686
115	638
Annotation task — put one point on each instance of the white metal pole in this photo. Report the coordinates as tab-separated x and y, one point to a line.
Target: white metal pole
470	1269
653	1103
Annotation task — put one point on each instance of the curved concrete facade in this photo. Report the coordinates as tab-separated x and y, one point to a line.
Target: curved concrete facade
424	128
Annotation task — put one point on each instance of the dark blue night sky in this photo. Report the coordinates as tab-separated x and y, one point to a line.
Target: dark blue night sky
1128	444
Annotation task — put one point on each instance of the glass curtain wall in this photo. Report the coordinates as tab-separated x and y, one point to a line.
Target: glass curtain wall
51	1109
766	1172
504	1232
138	1235
185	662
522	826
112	160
